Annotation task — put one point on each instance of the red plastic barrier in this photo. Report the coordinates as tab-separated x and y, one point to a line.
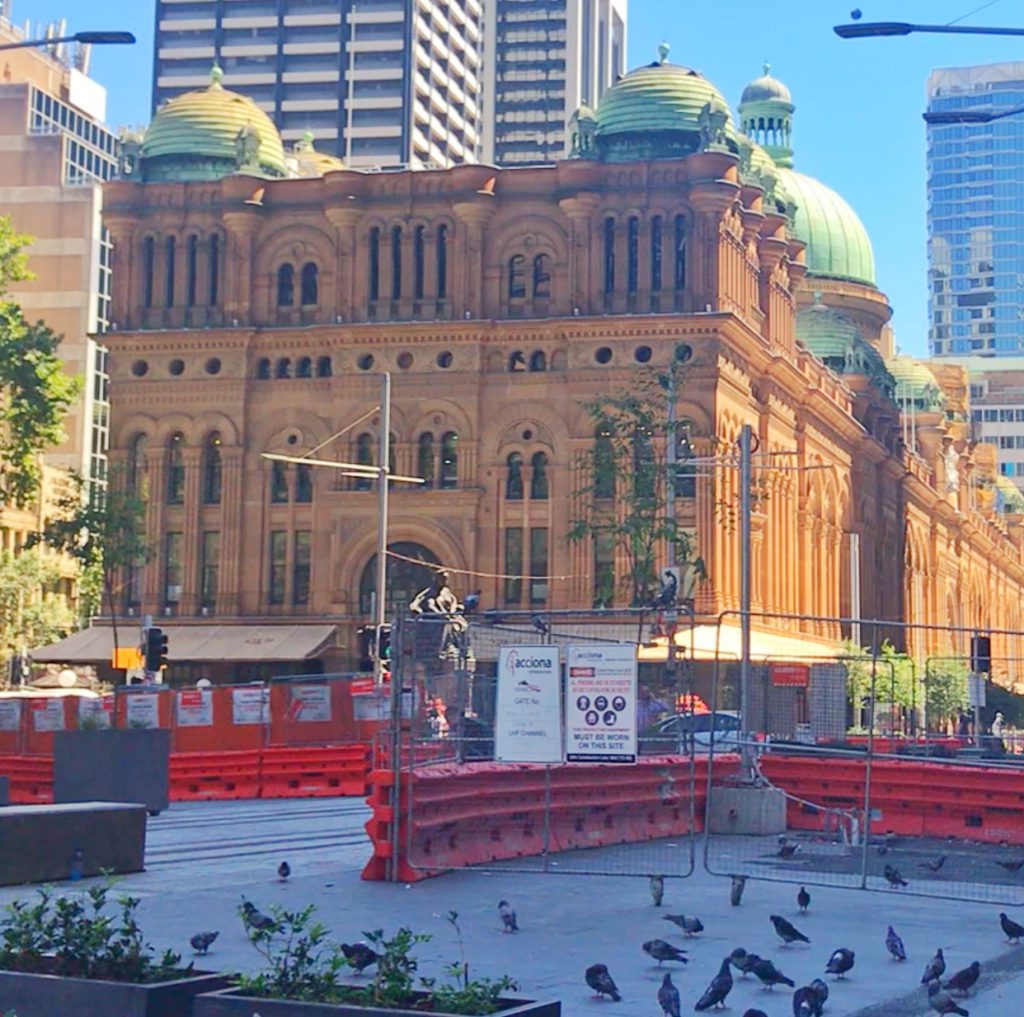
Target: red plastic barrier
314	771
214	776
30	779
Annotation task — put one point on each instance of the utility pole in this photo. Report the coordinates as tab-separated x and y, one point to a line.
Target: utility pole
383	490
746	436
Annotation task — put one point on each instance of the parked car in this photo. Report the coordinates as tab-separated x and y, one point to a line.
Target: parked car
681	731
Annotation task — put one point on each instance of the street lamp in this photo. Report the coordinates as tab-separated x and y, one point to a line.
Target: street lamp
876	29
89	38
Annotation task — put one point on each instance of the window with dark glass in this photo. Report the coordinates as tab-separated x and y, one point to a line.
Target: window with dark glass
323	367
169	273
136	463
686	471
304	368
176	469
604	569
538	361
538	565
425	458
656	253
609	255
284	368
211	470
517	277
604	464
364	456
278	566
309	285
214	270
539	476
396	262
449	460
680	252
278	482
643	464
513	567
303	484
632	254
442	262
191	252
514	477
285	286
541	277
209	564
148	260
373	255
263	368
172	568
418	269
301	567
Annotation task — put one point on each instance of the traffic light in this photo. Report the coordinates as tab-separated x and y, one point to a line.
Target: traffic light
981	654
157	649
384	643
370	648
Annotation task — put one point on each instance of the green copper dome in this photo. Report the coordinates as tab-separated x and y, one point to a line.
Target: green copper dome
766	89
210	133
826	333
1008	496
837	243
916	386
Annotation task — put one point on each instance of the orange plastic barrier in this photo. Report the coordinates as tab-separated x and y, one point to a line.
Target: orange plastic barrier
214	776
314	771
30	779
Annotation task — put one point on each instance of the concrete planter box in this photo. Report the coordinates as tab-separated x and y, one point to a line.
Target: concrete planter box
113	765
230	1003
32	995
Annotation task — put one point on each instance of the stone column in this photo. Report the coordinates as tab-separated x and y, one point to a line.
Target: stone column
473	217
709	201
238	277
580	211
150	593
347	267
126	273
192	459
229	589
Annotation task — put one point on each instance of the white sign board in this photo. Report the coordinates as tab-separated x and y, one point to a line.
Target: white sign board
10	714
250	706
94	713
528	722
142	709
194	708
48	714
600	704
310	703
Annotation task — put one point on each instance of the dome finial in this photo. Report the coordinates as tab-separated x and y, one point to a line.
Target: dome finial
216	76
663	49
767	68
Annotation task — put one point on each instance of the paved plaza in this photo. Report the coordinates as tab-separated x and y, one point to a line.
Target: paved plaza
203	857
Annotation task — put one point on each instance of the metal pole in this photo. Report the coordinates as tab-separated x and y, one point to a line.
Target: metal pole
745	492
866	831
383	488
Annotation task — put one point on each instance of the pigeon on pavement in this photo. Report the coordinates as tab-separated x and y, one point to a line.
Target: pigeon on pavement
720	987
963	981
743	962
893	877
807	1002
1013	866
787	849
769	975
662	951
840	962
1011	929
933	866
935	968
657	890
894	945
508	916
822	989
284	870
803	899
787	931
202	941
360	956
601	982
754	1013
942	1002
690	924
255	920
668	997
736	890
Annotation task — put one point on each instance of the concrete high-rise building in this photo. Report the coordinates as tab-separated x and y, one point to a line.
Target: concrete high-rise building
544	59
56	156
976	214
376	82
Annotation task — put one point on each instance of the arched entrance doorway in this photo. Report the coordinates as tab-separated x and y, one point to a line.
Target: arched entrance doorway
404	578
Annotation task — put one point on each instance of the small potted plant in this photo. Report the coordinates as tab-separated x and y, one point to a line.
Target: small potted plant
303	977
85	955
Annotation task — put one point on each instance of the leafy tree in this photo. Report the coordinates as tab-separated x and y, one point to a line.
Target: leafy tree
945	689
104	531
622	502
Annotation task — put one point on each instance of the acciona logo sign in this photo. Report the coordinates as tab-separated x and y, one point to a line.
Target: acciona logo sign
513	661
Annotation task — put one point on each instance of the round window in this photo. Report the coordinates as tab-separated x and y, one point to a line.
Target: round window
642	354
140	368
444	359
603	355
365	362
404	361
176	367
213	365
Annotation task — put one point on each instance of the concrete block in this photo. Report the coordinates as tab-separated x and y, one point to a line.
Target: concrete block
5	791
40	841
747	810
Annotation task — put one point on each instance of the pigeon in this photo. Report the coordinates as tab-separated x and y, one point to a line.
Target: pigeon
360	956
803	899
601	982
894	945
935	969
690	924
743	962
821	989
668	997
540	625
807	1002
472	602
787	932
769	975
508	916
720	987
933	866
736	890
840	962
942	1002
202	941
1014	866
662	951
1012	930
893	877
657	890
255	920
284	870
787	849
754	1013
964	979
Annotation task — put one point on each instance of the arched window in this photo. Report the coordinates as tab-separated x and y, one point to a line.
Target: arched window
656	253
278	482
263	368
136	463
425	458
514	477
643	464
604	463
373	255
364	456
418	277
538	361
304	368
191	251
323	367
632	254
539	476
214	270
517	277
169	272
609	255
303	484
148	258
211	470
405	577
396	262
285	286
541	277
680	252
284	368
516	361
442	262
309	285
449	460
176	469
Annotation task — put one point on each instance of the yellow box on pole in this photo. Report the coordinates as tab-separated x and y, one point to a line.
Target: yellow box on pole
125	657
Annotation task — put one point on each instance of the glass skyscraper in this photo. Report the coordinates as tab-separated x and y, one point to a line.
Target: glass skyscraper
976	214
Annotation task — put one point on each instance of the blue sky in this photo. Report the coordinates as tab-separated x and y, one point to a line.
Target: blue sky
857	127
